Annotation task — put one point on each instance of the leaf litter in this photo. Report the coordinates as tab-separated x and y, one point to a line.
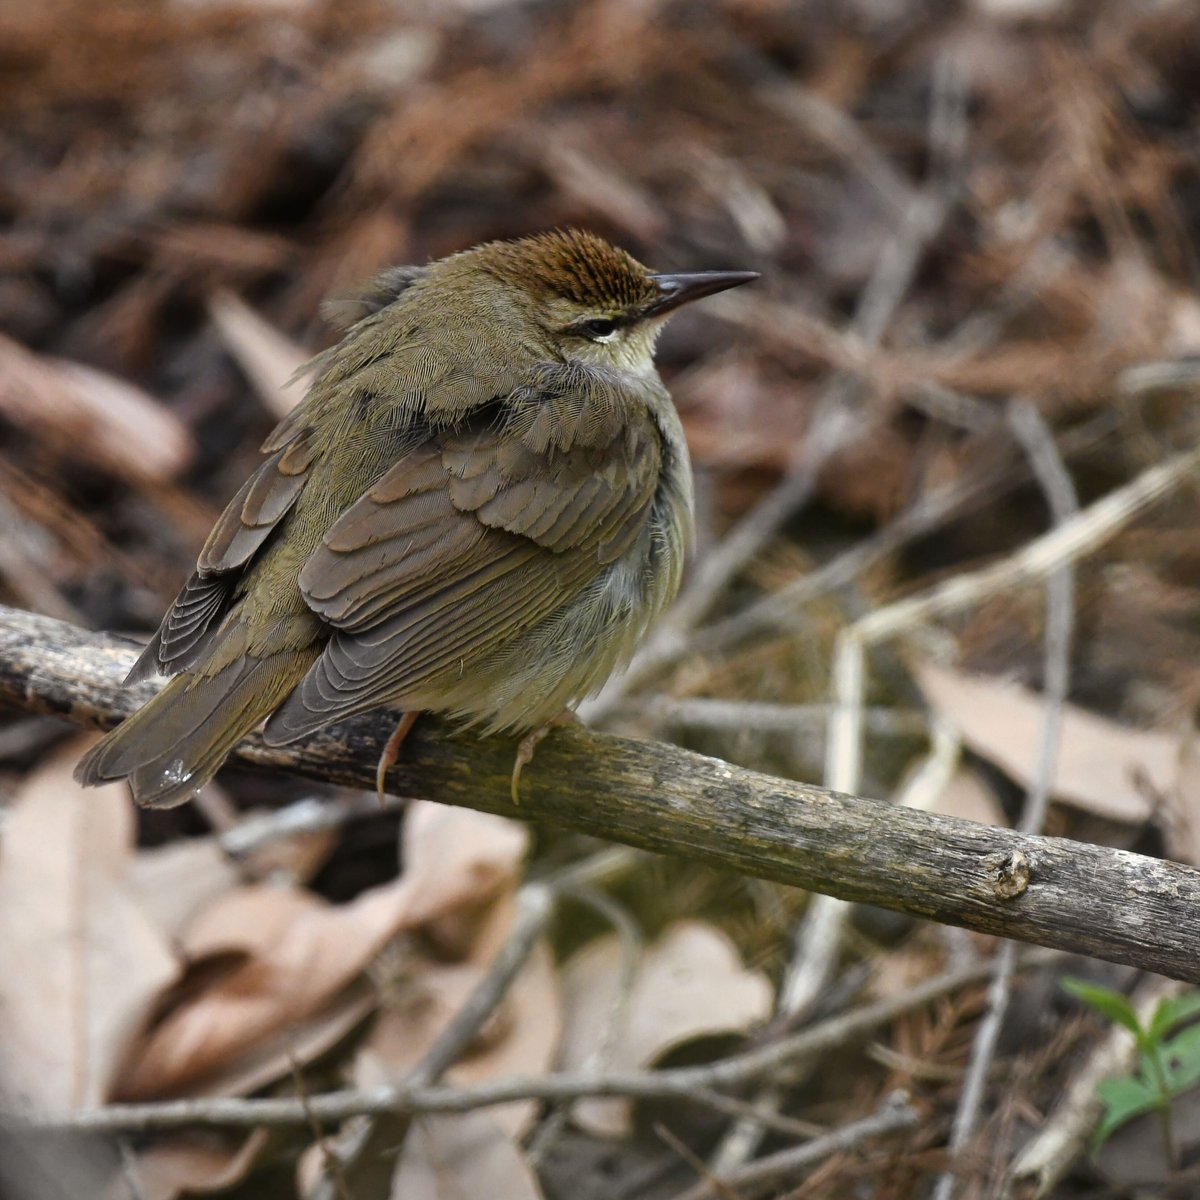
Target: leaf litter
183	184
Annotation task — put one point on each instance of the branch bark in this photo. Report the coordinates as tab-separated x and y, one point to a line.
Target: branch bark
1049	891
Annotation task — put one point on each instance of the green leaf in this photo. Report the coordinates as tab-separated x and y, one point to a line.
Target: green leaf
1174	1012
1181	1055
1123	1100
1104	1000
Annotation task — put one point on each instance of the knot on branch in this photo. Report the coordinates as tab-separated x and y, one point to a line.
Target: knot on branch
1009	874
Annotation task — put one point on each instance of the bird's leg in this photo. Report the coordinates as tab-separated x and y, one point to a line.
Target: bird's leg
391	752
529	744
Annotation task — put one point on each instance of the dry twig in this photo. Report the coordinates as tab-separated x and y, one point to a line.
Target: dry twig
1032	432
776	1059
894	1115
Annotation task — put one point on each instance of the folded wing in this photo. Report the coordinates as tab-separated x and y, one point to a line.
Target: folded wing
477	536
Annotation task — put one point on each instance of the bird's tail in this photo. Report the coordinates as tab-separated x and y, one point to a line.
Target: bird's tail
175	743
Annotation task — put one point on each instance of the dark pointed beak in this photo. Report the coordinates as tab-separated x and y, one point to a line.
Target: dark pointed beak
683	289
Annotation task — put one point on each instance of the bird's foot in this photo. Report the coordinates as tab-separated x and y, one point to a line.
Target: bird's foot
391	751
529	744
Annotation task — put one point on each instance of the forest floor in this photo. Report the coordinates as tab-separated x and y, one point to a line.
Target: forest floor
976	224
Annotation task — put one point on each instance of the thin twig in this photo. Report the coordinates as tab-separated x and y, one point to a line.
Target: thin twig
1083	534
129	1170
535	902
777	1058
333	1184
313	814
714	1185
783	609
630	936
771	1170
1030	429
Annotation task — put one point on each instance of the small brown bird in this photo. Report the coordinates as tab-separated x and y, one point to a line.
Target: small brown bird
480	505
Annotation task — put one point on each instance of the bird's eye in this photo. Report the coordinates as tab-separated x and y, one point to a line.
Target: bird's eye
597	329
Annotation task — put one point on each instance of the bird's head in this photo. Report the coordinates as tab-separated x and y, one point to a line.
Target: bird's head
591	301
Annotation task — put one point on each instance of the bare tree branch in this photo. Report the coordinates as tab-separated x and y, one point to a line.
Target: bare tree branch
1049	891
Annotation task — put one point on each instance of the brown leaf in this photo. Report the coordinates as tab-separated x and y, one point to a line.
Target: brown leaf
967	796
689	984
175	881
1102	767
280	1052
464	1156
300	952
91	415
84	962
191	1164
454	857
522	1038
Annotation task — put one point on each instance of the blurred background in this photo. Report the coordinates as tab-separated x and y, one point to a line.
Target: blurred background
961	209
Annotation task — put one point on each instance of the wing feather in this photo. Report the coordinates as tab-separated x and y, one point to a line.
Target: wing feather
479	535
240	532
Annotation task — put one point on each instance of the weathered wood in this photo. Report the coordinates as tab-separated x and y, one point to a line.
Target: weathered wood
1050	891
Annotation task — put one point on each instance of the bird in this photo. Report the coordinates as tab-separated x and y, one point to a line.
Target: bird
481	503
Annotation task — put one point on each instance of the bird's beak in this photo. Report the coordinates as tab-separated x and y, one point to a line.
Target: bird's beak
683	289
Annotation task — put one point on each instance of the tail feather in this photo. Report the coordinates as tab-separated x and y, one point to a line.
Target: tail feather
176	742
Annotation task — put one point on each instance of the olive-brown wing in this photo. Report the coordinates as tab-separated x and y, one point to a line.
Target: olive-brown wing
458	550
240	532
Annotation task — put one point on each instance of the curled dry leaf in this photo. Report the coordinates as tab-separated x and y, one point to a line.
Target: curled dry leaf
1102	767
280	1051
177	880
461	1156
84	963
299	953
190	1164
689	984
522	1038
98	417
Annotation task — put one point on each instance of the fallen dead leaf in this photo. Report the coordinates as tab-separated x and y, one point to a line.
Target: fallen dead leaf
1104	768
967	796
522	1038
281	1051
454	857
177	880
689	984
299	952
190	1164
102	418
461	1156
84	961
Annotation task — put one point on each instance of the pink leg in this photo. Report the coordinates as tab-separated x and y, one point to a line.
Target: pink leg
529	744
391	752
